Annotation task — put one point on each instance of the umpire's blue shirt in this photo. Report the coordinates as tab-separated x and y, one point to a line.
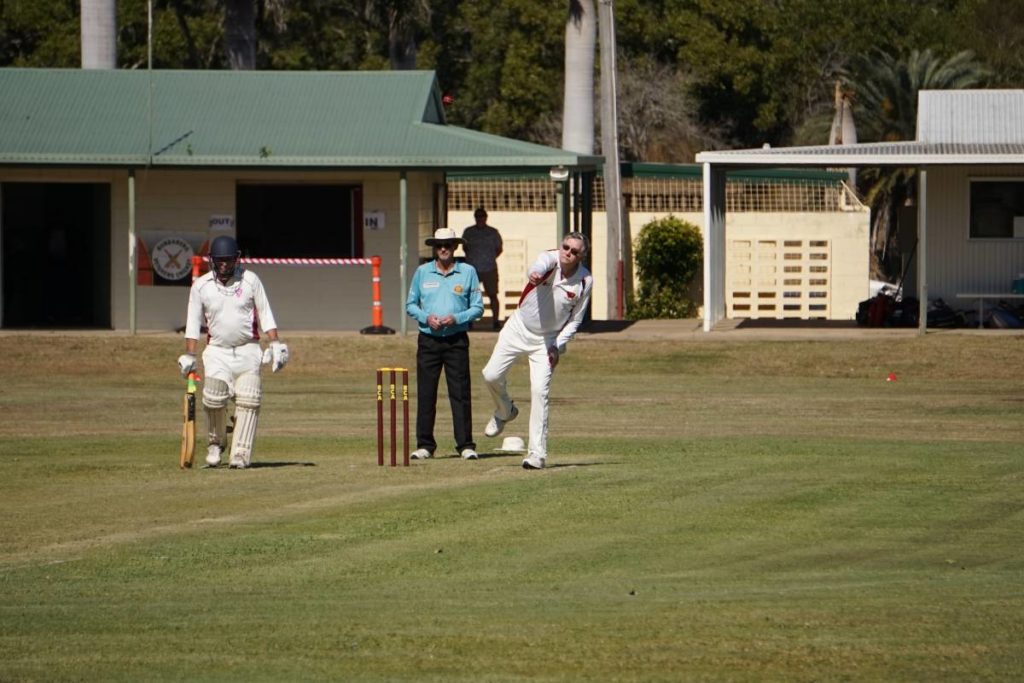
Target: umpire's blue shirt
455	293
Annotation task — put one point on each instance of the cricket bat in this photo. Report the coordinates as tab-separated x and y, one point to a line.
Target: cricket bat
188	427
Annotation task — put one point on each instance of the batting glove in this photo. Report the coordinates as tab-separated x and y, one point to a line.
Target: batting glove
186	363
276	354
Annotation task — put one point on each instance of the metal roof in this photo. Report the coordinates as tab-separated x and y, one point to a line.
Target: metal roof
970	116
872	154
695	172
363	119
954	127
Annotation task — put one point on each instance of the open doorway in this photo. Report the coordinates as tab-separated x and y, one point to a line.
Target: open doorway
55	255
299	220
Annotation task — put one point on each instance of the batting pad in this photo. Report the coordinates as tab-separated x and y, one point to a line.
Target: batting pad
216	419
248	390
215	393
248	395
215	400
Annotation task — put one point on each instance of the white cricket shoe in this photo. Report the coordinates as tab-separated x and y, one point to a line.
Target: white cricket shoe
534	462
421	454
213	455
497	425
469	454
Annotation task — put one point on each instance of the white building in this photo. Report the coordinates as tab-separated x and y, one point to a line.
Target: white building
969	154
110	180
797	245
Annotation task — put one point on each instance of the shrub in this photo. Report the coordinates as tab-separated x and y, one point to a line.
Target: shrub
669	255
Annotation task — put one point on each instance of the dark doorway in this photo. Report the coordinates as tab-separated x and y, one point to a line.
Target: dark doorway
56	255
302	221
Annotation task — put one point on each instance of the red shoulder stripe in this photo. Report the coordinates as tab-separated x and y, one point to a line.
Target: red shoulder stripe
530	286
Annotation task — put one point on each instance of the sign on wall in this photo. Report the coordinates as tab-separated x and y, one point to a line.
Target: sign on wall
221	224
165	258
373	220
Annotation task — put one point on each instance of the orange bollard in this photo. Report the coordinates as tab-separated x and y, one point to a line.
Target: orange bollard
377	307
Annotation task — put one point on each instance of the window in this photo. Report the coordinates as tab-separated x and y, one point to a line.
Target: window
997	208
301	221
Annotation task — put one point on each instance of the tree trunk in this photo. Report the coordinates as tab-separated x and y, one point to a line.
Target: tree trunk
401	42
240	34
578	108
99	34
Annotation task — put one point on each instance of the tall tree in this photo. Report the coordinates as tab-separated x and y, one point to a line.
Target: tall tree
578	106
994	31
503	63
240	34
761	68
243	20
41	34
657	116
403	22
99	34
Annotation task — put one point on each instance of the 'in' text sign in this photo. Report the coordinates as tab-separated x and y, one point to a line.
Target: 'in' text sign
373	220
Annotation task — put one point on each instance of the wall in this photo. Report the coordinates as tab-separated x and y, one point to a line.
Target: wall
313	298
956	264
848	232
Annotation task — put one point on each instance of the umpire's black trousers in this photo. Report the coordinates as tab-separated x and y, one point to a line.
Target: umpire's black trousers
452	354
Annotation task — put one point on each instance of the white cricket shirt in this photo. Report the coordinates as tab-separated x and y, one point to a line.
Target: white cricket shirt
554	309
234	314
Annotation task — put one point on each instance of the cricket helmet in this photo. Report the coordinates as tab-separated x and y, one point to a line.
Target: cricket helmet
224	255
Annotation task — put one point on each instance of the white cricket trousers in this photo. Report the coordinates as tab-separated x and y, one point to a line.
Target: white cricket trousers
515	341
228	364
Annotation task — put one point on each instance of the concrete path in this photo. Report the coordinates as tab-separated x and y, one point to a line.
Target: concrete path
691	329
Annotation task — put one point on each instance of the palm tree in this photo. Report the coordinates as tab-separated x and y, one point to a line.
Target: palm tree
885	90
578	103
99	34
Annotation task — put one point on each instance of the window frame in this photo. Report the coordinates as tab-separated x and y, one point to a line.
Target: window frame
971	181
355	202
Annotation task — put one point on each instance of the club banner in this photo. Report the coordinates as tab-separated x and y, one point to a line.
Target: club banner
165	258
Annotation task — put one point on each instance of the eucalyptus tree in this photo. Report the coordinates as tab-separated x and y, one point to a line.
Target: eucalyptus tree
241	36
403	22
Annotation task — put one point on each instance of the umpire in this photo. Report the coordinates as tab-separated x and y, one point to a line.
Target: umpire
444	298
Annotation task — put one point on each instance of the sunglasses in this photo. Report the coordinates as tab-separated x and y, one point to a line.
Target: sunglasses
574	252
445	245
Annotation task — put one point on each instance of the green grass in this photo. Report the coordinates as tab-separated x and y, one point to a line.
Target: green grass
712	510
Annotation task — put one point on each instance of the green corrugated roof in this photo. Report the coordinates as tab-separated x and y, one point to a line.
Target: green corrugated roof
696	172
637	169
363	119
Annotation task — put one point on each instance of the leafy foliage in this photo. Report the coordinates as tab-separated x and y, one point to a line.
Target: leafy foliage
742	72
886	88
39	34
669	255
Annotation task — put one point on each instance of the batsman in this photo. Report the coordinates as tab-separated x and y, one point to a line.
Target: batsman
231	303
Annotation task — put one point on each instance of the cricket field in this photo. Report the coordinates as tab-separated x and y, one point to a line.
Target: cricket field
728	509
